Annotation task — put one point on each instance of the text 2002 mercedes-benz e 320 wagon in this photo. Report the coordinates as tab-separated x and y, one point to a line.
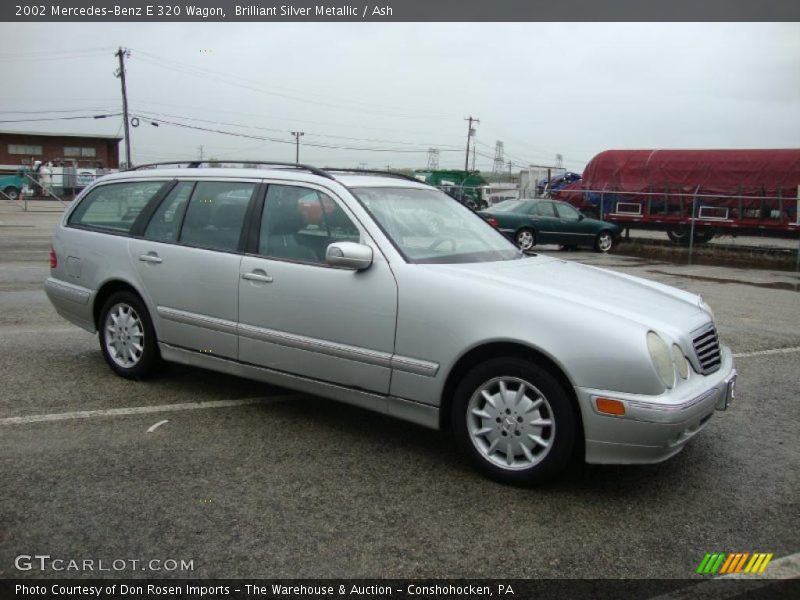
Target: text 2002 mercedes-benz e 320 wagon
387	293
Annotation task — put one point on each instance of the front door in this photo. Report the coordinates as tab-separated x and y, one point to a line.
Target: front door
300	316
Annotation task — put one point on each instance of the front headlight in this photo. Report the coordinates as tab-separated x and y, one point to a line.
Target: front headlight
681	364
661	357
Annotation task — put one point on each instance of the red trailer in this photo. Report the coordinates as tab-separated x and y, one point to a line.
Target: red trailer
742	192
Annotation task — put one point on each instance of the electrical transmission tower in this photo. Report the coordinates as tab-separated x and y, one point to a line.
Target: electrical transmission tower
559	161
499	161
433	159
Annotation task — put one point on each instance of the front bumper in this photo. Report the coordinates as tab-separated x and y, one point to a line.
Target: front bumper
655	428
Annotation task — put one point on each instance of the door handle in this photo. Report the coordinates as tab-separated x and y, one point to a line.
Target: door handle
255	276
150	258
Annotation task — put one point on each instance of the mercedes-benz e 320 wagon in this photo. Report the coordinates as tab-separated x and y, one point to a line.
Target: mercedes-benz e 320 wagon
386	293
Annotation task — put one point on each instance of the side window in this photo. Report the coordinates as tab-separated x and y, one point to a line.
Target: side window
216	214
340	227
299	223
114	206
565	211
166	221
545	209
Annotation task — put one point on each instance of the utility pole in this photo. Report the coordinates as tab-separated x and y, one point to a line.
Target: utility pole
122	54
510	176
297	135
470	133
201	152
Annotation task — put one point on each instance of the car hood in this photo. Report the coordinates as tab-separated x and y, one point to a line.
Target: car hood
647	302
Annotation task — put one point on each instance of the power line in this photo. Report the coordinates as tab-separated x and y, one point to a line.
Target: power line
324	135
60	118
283	141
232	80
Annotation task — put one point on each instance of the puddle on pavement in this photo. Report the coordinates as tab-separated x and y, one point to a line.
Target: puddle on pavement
775	285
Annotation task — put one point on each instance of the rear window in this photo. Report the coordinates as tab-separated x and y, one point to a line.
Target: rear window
115	206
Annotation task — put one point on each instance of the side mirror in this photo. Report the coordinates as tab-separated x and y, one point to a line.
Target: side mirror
349	255
581	217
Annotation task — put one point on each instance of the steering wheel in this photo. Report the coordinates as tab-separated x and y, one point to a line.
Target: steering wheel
439	241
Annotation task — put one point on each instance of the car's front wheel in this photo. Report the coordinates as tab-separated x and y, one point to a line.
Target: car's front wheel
604	242
514	420
11	192
526	239
127	337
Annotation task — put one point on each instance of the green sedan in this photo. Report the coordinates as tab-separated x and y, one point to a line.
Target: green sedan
542	221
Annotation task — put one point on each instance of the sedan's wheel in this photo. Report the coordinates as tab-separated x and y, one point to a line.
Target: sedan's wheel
514	420
11	192
526	239
604	241
127	337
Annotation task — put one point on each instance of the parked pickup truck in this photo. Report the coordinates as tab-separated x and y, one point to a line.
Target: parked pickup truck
11	185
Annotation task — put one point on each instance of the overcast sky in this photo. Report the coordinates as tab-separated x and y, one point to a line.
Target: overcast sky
574	89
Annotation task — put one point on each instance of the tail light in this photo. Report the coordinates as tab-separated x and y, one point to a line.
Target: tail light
53	258
493	222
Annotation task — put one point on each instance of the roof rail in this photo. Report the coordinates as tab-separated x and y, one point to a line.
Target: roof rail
373	172
195	164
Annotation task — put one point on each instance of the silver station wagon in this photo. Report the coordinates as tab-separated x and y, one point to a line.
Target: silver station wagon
386	293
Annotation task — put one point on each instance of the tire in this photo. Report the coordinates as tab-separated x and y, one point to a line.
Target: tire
538	449
604	242
11	192
525	239
118	342
681	236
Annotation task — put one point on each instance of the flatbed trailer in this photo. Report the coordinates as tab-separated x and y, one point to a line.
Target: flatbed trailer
732	192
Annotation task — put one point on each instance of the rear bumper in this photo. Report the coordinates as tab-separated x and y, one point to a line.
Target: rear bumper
71	301
654	429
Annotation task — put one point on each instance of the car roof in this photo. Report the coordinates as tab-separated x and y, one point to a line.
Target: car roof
346	178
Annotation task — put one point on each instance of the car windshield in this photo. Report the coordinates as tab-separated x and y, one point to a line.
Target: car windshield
428	226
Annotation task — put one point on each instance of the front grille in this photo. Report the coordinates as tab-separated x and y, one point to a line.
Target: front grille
706	348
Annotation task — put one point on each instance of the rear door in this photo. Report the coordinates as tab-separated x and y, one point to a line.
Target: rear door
188	259
300	316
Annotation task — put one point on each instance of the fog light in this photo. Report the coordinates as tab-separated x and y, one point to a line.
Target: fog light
610	407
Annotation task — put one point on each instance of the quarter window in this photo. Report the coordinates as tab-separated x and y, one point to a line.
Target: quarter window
299	223
114	206
166	221
216	213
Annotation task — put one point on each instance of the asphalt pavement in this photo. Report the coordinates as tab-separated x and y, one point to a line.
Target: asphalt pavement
278	484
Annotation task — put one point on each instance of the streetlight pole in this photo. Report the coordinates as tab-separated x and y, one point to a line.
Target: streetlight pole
297	135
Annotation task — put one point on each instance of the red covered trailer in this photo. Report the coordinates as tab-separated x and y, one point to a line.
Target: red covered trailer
726	191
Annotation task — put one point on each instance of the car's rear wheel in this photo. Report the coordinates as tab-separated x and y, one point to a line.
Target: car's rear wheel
525	239
127	337
604	242
11	192
514	420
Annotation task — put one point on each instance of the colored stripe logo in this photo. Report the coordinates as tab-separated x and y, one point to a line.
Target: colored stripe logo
734	562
